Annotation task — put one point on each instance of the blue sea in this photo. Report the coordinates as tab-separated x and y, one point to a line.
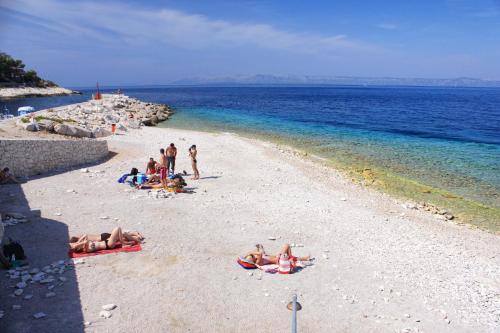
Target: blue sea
446	138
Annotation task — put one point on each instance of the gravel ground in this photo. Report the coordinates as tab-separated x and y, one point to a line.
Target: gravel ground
379	266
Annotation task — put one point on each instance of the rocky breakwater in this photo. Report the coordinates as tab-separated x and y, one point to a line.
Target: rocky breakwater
94	119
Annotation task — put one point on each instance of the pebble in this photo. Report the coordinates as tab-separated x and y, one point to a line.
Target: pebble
250	273
325	256
16	307
21	285
39	315
271	238
51	294
407	315
87	323
45	281
84	170
18	292
62	279
28	297
343	199
57	214
104	217
109	307
266	294
105	314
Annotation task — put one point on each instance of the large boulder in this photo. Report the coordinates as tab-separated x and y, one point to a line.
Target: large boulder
133	123
28	126
111	119
161	116
47	125
152	121
74	131
100	132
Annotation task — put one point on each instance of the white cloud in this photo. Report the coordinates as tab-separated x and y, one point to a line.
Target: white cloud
117	22
387	26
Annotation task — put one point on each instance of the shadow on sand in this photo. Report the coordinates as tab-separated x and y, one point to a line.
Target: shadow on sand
45	242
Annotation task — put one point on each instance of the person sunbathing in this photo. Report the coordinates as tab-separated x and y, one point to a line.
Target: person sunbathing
105	241
176	182
261	258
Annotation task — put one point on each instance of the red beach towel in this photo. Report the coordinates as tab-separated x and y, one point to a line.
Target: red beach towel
118	248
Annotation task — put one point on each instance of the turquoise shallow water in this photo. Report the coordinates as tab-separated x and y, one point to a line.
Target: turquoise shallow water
446	138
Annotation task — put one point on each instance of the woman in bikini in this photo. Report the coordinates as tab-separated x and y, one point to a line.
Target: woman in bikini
261	258
92	243
194	162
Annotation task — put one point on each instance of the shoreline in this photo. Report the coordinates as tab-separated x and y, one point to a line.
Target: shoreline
24	92
464	210
379	266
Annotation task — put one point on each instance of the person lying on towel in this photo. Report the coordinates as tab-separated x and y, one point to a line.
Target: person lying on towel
105	241
261	258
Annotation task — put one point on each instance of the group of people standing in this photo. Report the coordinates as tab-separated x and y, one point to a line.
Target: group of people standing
166	164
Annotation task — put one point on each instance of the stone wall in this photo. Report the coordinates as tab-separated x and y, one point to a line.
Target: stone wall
26	157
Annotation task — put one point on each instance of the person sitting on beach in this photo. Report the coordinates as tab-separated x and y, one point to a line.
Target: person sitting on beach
171	154
105	241
151	167
194	163
261	258
6	177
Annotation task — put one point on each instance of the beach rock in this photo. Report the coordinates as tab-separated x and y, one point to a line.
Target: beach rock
100	133
111	119
74	131
133	123
28	297
105	314
449	216
39	315
18	292
50	295
109	307
21	285
151	121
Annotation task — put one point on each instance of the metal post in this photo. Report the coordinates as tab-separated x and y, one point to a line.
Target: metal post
294	314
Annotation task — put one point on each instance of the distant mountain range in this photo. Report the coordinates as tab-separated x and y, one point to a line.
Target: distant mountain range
336	80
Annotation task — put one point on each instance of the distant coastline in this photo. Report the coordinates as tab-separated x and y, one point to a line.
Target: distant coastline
22	92
312	80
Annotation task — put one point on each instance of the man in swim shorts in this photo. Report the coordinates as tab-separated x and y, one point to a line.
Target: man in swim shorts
171	154
163	168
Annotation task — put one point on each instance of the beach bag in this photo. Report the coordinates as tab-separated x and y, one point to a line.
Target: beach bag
285	264
122	178
245	263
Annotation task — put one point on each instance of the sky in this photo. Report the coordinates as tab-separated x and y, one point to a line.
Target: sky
134	42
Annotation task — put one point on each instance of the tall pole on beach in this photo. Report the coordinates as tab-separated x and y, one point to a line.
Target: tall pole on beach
294	314
294	306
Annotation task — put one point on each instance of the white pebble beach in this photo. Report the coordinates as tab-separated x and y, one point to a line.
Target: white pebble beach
379	267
